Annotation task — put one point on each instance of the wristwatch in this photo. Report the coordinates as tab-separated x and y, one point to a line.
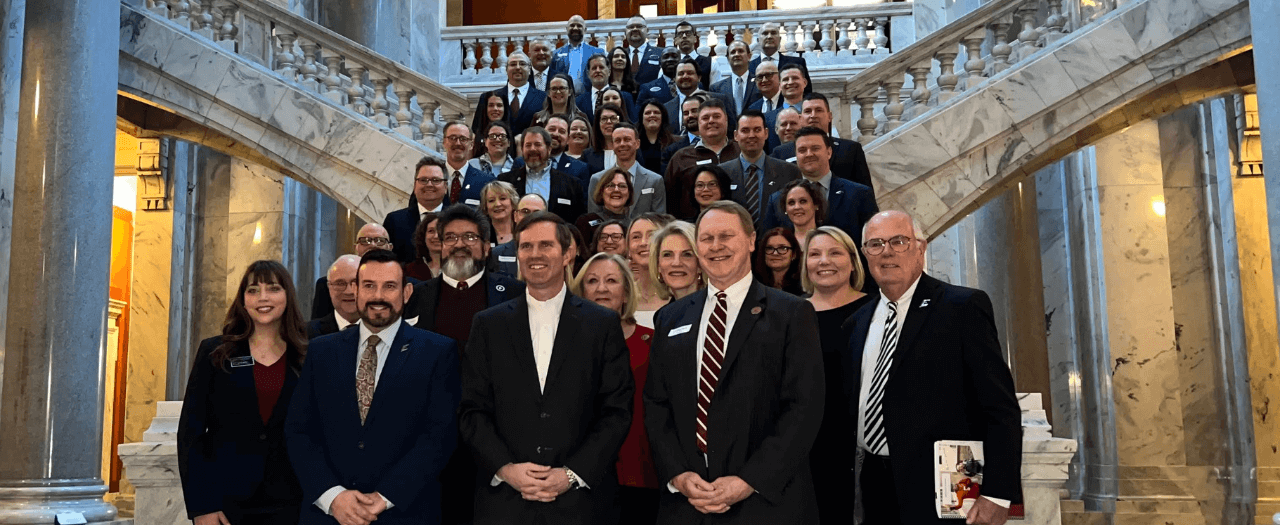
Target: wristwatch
574	482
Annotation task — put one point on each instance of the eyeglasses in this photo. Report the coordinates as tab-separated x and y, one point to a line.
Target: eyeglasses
372	241
707	185
684	32
611	237
458	138
616	186
876	246
765	76
610	118
340	285
559	89
777	250
433	181
452	238
500	137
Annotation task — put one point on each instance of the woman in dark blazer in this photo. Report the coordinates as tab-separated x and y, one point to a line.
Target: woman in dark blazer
231	447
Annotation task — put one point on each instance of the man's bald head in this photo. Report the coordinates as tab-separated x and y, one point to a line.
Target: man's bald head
372	236
527	204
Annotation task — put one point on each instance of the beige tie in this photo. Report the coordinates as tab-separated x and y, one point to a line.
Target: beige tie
366	374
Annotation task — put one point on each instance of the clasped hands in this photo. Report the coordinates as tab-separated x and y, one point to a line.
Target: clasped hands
352	507
535	482
712	497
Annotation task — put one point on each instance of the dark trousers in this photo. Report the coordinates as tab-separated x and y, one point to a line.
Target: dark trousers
637	506
276	515
879	497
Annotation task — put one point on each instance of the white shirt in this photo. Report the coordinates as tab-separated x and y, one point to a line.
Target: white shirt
539	79
511	93
454	282
544	319
422	210
871	354
735	294
386	336
343	323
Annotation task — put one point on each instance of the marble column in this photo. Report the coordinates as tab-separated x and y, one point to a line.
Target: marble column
255	228
406	31
53	364
1266	43
12	14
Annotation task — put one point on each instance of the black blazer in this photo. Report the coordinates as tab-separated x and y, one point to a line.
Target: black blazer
502	259
578	421
566	193
225	453
848	161
530	103
750	94
659	88
764	416
500	288
947	351
649	68
782	61
776	175
324	325
404	442
849	206
677	123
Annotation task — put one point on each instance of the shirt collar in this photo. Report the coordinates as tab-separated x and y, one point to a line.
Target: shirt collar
825	181
342	321
530	174
524	90
774	56
552	305
423	209
471	281
387	335
759	163
905	300
735	292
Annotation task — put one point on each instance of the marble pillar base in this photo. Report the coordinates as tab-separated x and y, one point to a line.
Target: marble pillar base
152	467
39	501
1045	464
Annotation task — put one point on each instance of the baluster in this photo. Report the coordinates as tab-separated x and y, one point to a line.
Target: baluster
1001	49
309	68
404	115
920	94
469	60
182	13
704	40
160	7
286	61
947	78
227	32
1053	23
867	124
355	90
381	113
842	43
827	43
202	23
486	61
739	33
501	63
893	109
1028	37
862	41
809	43
974	65
427	128
721	47
755	40
789	41
881	39
333	77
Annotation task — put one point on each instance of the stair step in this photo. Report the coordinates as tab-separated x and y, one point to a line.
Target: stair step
1157	507
1084	518
1072	505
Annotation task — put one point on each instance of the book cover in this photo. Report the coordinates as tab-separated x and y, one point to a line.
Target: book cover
958	467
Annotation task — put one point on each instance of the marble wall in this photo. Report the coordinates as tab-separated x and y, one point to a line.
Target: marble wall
407	31
12	14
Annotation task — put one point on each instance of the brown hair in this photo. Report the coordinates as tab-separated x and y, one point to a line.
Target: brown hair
238	326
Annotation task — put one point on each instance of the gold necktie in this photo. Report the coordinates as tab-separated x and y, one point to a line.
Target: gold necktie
366	374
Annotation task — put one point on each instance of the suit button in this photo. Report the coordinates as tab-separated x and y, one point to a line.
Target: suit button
262	437
360	445
545	415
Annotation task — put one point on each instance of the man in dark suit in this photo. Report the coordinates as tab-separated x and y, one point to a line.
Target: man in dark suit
755	176
735	391
771	51
541	62
689	134
340	283
644	57
849	204
847	158
589	99
371	422
429	192
687	80
737	86
562	193
523	100
571	58
558	128
660	87
687	43
548	394
921	341
371	236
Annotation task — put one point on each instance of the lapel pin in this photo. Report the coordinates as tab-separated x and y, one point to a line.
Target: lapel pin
644	337
924	303
404	348
839	192
500	288
756	311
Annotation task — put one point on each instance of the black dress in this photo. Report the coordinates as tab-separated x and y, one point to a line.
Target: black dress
834	451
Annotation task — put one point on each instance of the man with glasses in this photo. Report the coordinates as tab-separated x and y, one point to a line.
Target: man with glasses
436	183
503	258
771	53
644	57
571	58
849	204
918	341
687	43
341	284
651	193
371	236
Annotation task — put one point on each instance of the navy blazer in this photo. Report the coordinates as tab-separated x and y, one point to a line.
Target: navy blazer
578	420
560	62
530	103
659	88
649	67
848	161
401	223
750	95
566	194
225	452
404	442
323	325
569	166
588	106
502	259
763	418
776	175
947	349
849	206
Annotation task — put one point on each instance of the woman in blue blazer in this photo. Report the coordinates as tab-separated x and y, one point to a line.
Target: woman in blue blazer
231	447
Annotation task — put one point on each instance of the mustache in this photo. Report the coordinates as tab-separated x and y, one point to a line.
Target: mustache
371	304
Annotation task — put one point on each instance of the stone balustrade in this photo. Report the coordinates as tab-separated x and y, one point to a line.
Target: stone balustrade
957	58
302	52
831	37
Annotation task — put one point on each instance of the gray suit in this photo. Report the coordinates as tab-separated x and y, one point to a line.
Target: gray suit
651	192
777	173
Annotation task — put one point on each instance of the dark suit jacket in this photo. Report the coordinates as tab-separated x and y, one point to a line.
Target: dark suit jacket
225	452
764	416
530	103
566	194
947	349
588	106
847	160
567	165
404	442
725	87
578	420
649	68
849	206
782	61
502	259
776	175
659	88
673	109
323	325
500	288
560	62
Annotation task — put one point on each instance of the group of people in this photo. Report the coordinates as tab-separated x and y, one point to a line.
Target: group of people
587	329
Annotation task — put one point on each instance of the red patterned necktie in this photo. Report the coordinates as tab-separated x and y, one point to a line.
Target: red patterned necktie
455	189
709	372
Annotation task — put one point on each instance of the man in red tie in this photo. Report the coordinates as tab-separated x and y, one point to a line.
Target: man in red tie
735	391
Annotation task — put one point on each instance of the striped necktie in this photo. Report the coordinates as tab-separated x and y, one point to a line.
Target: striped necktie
752	192
709	373
873	417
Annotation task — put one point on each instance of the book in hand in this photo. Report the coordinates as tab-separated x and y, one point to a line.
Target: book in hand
958	468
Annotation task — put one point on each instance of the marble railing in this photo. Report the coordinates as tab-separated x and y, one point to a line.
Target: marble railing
954	59
825	36
314	58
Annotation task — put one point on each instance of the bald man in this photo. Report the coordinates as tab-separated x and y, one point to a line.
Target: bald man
341	282
370	236
571	58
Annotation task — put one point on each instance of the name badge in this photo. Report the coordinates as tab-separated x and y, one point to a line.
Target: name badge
506	258
677	331
242	361
701	162
472	202
792	160
564	201
593	223
646	191
733	187
655	89
653	62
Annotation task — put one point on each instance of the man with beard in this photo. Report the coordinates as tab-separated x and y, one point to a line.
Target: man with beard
562	193
503	258
644	57
660	88
558	128
571	58
447	304
341	284
687	82
548	393
715	148
848	161
371	423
